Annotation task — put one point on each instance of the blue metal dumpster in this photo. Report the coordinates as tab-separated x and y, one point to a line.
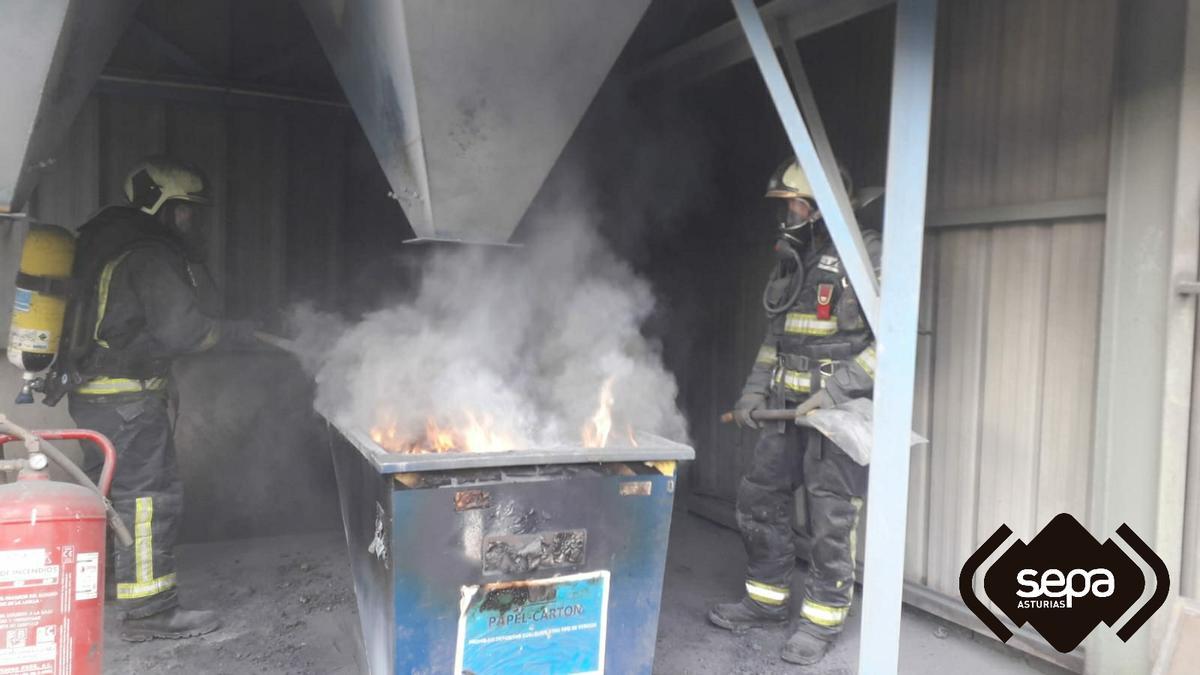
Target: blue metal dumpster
537	561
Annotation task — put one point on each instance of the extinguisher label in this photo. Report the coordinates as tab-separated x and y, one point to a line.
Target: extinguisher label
34	658
27	567
32	583
28	581
87	573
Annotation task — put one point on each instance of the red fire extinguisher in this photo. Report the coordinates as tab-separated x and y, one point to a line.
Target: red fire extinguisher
52	538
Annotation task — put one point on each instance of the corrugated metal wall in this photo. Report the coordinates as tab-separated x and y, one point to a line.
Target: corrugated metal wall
1021	117
278	181
1189	201
1190	570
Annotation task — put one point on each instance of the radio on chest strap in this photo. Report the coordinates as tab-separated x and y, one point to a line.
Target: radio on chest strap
824	301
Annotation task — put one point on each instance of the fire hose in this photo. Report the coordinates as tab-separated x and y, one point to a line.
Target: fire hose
282	343
36	444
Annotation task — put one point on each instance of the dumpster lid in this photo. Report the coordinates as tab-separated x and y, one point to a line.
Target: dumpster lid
650	448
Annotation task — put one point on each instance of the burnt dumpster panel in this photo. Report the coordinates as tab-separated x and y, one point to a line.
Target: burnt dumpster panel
367	518
553	568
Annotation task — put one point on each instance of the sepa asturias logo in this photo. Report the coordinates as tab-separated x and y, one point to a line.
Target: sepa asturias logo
1050	590
1064	583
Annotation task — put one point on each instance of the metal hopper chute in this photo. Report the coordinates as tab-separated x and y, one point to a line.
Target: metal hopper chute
468	104
53	51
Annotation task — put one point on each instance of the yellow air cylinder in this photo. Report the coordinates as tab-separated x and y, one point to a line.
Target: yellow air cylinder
41	297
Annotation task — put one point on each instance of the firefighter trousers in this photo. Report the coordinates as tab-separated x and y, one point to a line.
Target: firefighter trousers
786	457
146	491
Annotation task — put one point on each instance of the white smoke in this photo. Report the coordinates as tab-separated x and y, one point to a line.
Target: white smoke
525	337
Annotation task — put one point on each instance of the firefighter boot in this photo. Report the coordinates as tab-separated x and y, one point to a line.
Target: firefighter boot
172	624
805	648
746	614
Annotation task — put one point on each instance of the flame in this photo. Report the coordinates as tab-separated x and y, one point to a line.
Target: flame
471	431
385	435
481	435
437	438
474	433
596	430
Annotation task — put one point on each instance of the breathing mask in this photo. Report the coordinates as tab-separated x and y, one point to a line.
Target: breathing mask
784	286
191	223
794	215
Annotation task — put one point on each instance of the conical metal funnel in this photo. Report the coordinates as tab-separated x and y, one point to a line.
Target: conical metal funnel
53	51
468	104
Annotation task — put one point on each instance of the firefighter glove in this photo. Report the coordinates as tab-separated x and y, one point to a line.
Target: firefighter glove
747	404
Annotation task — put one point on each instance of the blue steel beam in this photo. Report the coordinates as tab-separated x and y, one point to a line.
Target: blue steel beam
830	194
896	334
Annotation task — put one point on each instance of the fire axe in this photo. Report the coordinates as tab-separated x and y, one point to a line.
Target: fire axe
849	425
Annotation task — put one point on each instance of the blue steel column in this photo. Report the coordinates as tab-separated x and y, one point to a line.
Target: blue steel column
830	194
896	335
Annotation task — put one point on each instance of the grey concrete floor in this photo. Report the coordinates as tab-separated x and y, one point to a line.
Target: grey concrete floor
289	608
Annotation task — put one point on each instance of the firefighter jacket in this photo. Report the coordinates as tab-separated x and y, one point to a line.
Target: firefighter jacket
822	340
144	301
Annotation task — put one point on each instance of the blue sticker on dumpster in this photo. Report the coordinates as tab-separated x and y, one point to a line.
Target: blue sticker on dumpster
553	625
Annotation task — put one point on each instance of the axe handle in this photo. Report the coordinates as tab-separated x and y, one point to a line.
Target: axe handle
770	416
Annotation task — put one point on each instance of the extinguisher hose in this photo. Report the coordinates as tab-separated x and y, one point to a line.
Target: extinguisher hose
39	444
77	474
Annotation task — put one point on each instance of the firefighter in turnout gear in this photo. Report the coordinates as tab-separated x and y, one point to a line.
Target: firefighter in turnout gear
818	352
143	299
